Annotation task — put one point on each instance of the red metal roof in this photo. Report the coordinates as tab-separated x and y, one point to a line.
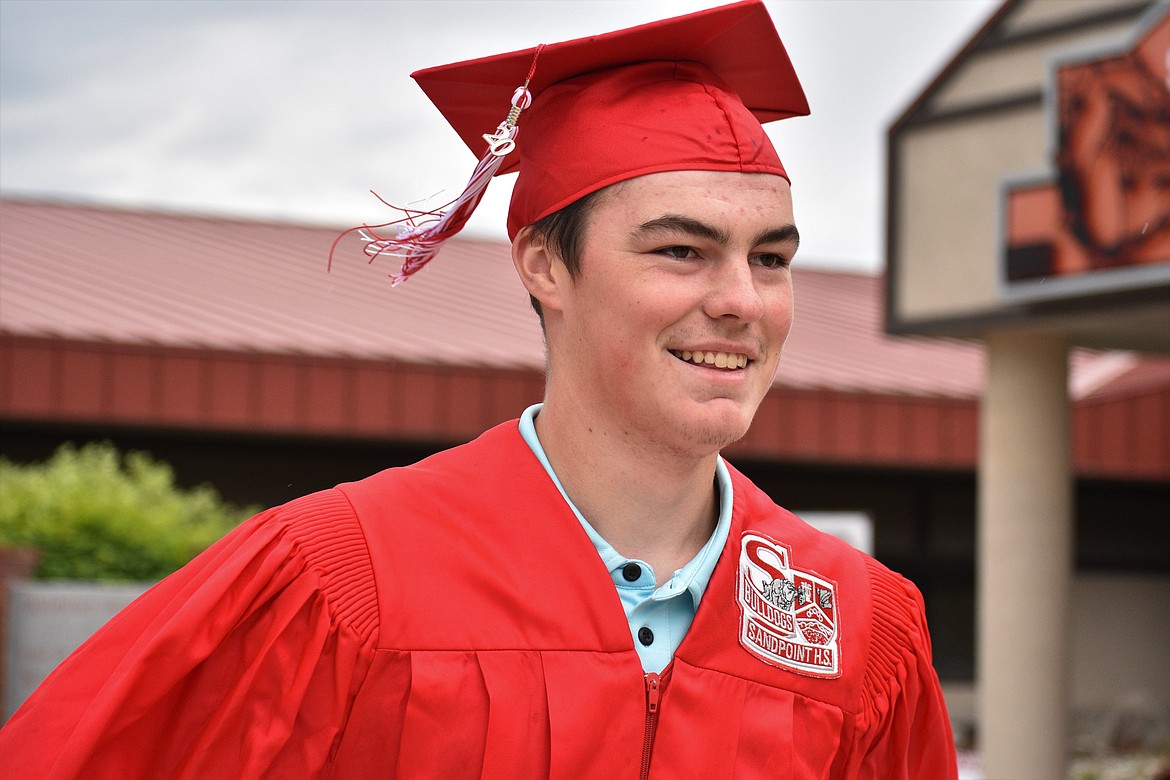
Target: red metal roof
88	273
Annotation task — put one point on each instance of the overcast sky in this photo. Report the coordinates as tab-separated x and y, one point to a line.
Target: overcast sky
296	109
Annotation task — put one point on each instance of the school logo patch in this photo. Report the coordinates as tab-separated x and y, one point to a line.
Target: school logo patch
787	617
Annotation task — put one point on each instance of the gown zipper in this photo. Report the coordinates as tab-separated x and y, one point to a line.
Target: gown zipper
655	683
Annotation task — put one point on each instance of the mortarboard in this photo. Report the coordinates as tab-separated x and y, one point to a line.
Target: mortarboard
687	93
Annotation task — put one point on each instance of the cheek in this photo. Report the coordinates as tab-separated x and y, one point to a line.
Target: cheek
621	351
779	313
608	340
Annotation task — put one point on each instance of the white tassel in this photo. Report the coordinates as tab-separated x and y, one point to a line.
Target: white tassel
416	243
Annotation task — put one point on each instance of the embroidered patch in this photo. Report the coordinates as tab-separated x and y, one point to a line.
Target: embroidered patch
787	617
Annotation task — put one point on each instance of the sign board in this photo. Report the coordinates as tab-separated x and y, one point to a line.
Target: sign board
1099	220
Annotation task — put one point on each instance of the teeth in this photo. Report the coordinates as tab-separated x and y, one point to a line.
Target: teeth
718	359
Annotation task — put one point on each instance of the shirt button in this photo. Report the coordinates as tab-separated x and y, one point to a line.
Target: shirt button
631	572
645	636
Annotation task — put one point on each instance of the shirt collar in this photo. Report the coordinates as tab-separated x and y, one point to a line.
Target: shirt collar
696	574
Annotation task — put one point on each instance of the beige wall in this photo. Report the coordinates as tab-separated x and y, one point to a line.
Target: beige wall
1121	647
1039	13
1014	70
1121	640
949	242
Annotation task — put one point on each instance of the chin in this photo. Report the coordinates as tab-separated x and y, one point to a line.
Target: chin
712	435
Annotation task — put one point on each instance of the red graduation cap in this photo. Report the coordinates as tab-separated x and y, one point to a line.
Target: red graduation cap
687	93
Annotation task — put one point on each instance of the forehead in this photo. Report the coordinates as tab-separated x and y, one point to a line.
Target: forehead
726	198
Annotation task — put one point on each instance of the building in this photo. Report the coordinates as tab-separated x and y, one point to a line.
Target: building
1029	208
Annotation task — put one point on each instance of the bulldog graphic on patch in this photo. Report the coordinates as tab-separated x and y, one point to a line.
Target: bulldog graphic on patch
787	617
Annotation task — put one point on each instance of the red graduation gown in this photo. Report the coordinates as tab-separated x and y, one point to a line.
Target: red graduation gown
451	619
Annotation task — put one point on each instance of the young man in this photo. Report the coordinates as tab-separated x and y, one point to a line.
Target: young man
590	591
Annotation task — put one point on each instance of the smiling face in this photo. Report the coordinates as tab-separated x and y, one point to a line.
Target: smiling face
670	332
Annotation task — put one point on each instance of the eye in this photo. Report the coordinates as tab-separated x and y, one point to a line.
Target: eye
771	261
677	252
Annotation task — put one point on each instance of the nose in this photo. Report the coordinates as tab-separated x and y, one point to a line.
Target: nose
733	292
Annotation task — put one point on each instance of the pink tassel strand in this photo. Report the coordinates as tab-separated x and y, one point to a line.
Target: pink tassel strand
420	234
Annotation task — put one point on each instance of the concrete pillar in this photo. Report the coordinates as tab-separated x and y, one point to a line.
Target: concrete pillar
1025	558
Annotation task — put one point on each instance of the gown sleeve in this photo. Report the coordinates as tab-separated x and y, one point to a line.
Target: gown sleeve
245	663
905	730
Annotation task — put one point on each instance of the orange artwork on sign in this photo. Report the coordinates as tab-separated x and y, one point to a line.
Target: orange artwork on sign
1109	204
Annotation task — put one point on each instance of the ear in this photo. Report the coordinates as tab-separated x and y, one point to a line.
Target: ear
541	272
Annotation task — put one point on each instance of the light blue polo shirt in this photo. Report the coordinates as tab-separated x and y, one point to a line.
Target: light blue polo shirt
658	617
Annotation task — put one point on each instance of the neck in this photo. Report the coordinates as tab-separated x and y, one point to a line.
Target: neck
650	504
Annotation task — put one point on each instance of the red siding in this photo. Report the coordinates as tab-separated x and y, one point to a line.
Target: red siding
82	385
133	387
47	379
30	380
877	430
375	390
182	400
279	396
1124	437
228	390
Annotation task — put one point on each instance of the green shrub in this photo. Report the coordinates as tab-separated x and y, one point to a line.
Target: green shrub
96	515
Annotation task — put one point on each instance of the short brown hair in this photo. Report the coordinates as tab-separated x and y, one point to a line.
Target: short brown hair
563	231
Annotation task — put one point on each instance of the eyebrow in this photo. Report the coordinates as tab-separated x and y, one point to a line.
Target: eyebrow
674	224
779	235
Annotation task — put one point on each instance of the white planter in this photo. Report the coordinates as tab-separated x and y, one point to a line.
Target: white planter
48	620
